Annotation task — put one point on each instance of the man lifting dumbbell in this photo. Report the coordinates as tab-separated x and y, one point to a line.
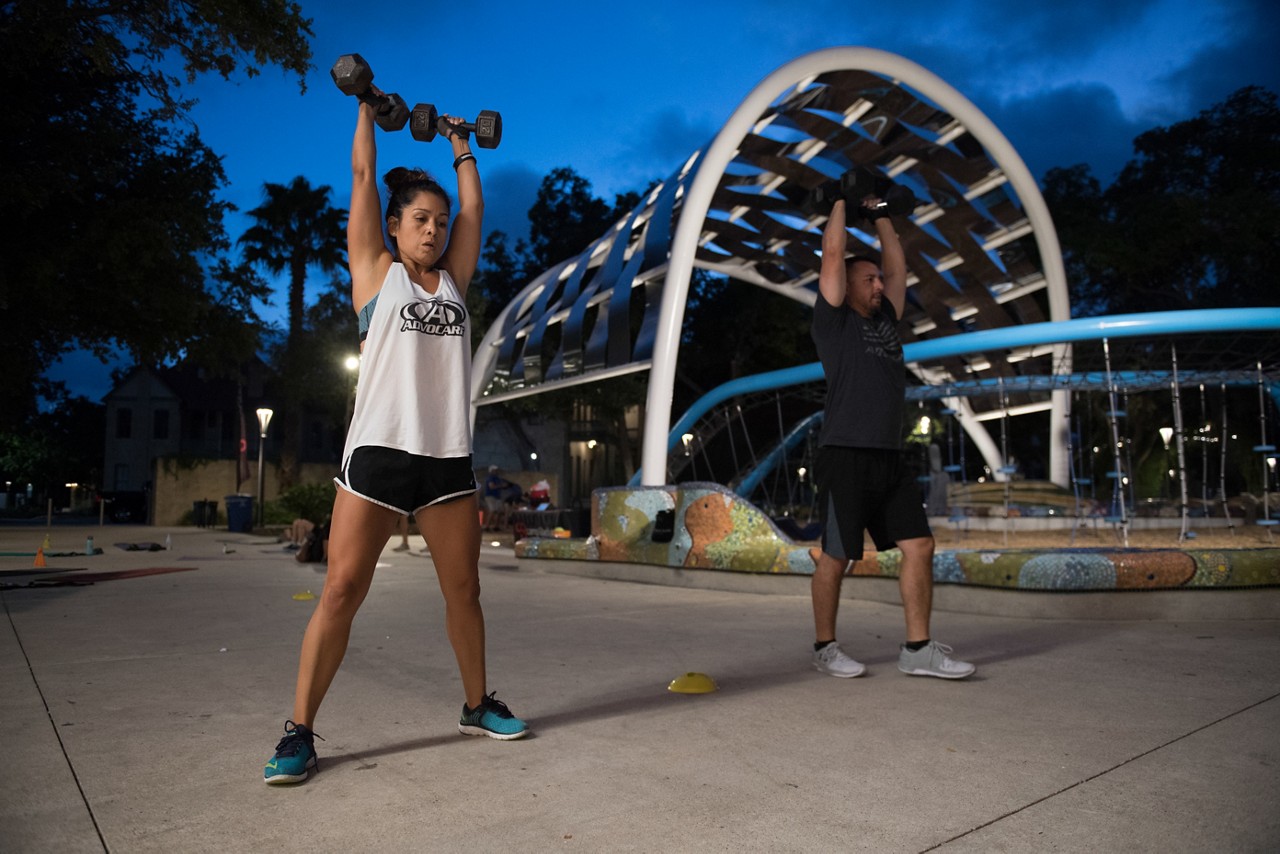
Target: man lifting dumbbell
354	77
864	484
424	124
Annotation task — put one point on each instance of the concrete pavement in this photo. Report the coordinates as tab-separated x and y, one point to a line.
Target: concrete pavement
136	713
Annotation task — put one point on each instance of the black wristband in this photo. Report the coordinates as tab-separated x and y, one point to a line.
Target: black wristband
880	211
462	158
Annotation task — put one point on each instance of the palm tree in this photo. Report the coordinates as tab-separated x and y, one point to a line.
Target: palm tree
295	229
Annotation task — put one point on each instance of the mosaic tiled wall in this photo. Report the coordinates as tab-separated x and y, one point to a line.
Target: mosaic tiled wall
712	528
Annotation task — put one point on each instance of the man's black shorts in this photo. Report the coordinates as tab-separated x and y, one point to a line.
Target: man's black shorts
866	490
404	481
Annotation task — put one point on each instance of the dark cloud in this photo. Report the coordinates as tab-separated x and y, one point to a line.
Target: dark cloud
661	145
1249	58
1038	31
509	192
1057	127
1063	127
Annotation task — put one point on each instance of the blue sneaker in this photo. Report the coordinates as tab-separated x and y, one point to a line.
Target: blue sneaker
491	718
295	755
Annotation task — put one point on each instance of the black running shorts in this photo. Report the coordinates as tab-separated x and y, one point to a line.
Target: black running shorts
406	482
866	491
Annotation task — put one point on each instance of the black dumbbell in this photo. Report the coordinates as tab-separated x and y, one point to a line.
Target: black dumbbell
821	198
354	77
425	123
895	200
899	201
855	185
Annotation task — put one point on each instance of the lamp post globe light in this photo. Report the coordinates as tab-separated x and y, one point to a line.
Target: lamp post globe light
264	418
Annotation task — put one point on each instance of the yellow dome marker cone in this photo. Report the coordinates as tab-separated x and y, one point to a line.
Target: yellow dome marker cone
693	683
304	595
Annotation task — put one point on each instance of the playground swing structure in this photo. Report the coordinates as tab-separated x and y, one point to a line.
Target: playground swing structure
1123	501
955	470
1267	452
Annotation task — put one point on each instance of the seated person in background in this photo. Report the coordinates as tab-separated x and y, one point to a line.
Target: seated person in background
315	546
498	494
296	534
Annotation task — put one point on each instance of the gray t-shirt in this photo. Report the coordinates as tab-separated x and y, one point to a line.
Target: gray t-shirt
866	377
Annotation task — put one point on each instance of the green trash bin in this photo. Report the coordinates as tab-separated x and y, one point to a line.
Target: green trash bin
240	513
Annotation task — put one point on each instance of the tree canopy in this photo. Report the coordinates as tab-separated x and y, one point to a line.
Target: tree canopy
114	231
1193	219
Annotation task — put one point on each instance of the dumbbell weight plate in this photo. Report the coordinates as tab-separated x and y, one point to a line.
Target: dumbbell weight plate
819	200
393	115
900	201
352	74
488	129
422	122
858	183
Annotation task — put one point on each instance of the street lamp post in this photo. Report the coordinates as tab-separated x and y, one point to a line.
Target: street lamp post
264	418
1166	433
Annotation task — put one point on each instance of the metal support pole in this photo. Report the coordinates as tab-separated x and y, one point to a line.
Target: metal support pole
262	440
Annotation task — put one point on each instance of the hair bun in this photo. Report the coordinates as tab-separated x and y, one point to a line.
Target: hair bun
402	176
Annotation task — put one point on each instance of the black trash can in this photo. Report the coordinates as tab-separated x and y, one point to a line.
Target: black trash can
240	513
204	514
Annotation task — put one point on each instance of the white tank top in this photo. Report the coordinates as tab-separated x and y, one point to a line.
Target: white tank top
415	371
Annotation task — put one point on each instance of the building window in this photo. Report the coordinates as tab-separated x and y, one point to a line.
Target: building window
160	424
124	423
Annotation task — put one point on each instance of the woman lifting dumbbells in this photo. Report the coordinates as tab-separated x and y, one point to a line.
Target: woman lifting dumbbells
408	448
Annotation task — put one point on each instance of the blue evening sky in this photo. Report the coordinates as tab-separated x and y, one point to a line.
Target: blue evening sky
623	93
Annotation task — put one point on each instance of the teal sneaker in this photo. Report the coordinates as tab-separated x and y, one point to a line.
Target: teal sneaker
491	718
295	755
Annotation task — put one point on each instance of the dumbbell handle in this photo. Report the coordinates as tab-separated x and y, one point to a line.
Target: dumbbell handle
368	96
442	124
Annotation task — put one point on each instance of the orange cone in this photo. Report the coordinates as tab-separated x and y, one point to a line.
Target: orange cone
40	557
